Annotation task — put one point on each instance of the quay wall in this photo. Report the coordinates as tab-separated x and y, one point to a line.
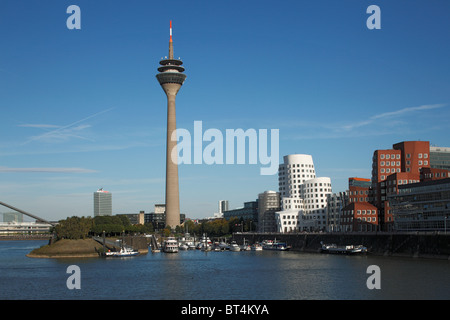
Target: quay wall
415	245
26	237
137	242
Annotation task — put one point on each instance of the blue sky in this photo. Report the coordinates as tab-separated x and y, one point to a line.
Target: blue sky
82	109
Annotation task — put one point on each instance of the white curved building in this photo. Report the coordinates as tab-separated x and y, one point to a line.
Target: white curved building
314	193
296	169
303	195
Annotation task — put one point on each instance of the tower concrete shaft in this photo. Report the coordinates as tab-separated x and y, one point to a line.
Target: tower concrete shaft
171	78
172	187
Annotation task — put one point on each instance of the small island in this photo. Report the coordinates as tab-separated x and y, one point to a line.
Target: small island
73	237
68	248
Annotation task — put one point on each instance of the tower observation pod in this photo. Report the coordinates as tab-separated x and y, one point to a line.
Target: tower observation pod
171	78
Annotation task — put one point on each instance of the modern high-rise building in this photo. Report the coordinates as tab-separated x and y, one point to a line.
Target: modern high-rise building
102	203
293	172
223	206
303	195
12	217
268	204
171	78
406	160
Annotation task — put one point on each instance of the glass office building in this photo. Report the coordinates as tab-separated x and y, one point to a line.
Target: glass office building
423	206
440	158
102	203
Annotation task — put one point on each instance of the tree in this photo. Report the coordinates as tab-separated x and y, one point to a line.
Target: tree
112	225
189	226
73	228
167	231
178	229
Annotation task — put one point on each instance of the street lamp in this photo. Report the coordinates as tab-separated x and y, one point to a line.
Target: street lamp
445	225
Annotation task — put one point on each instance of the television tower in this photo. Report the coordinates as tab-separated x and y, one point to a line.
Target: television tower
171	77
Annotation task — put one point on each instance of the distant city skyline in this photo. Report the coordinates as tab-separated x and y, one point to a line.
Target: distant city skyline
82	108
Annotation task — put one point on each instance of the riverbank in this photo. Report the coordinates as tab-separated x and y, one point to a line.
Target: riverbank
412	245
25	237
64	248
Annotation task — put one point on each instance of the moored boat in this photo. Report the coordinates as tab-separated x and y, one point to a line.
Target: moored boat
224	246
347	249
234	246
275	245
187	242
256	247
124	252
245	246
170	245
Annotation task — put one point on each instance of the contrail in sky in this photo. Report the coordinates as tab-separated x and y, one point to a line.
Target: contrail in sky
60	128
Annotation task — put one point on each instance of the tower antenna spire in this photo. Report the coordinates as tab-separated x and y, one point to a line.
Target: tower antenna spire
170	42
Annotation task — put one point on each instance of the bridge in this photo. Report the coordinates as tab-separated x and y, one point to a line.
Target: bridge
27	213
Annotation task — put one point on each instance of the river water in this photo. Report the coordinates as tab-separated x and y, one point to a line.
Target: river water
197	275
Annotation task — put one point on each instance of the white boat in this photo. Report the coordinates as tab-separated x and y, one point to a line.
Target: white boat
256	247
224	246
245	246
234	246
190	245
216	247
124	252
170	245
205	244
347	249
188	241
274	245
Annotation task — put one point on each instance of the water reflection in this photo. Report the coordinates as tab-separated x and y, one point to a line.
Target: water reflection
195	275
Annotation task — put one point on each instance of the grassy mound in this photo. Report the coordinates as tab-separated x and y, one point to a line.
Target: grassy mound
67	249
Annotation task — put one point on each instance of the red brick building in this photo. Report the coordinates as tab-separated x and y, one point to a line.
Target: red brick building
359	216
415	155
427	174
359	189
403	162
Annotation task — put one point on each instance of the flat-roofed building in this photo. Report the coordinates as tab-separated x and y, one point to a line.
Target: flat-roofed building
422	206
102	203
440	157
360	216
268	204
